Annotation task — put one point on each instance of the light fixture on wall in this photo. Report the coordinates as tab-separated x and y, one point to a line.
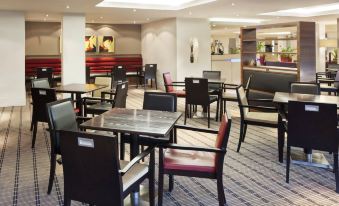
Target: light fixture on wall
153	4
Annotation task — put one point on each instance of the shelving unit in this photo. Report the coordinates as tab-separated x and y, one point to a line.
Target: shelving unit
276	78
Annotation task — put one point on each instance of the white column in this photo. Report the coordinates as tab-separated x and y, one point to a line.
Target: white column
73	51
320	51
12	63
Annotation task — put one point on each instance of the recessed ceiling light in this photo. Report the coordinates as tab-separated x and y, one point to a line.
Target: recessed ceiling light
134	10
233	4
153	4
101	17
236	20
190	13
46	15
148	19
67	7
214	25
134	22
237	15
319	10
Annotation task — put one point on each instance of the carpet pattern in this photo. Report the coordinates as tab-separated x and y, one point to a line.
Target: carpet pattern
252	177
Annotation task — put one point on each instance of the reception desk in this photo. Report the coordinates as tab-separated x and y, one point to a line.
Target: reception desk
229	65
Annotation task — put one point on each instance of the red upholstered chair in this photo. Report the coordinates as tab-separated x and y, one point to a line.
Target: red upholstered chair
195	161
169	85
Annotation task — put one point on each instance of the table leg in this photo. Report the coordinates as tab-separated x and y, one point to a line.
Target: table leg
281	135
78	103
134	147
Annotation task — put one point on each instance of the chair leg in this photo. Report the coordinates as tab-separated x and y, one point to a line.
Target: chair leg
288	160
51	172
151	180
67	202
217	112
208	116
185	113
241	135
161	177
35	128
244	135
170	182
151	83
145	82
221	193
336	171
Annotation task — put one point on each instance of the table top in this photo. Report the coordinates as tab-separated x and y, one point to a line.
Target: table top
134	121
284	97
78	88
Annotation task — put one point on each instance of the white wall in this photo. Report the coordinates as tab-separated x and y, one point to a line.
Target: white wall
159	45
12	64
73	52
187	29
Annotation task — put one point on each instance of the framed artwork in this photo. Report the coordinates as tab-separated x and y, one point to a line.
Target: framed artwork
106	44
90	44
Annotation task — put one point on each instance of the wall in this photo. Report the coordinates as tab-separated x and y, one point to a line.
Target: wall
12	64
159	45
42	38
187	29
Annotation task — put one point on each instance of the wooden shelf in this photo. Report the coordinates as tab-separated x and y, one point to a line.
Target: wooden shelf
269	39
269	53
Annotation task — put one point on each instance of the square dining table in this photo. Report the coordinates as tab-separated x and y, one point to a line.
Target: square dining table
282	98
135	122
78	90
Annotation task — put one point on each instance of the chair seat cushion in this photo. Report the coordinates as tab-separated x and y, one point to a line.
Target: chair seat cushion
230	95
101	106
179	93
188	160
133	175
263	117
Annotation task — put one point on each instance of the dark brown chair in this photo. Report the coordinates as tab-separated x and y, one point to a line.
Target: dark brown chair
93	173
40	97
329	84
169	85
152	101
61	116
105	104
150	74
45	72
213	88
196	161
197	93
313	126
305	88
229	93
118	74
254	115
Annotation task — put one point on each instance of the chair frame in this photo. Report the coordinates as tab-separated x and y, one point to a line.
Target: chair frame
174	84
151	67
218	174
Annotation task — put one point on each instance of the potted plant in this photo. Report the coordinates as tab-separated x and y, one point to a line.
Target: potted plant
334	55
286	56
260	48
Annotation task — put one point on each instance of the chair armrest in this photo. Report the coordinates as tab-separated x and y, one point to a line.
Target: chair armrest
110	91
99	99
259	107
261	100
203	149
211	131
136	160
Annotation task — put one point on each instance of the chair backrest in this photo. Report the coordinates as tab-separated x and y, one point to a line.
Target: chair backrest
168	82
118	74
242	99
248	85
107	81
211	74
121	95
91	168
45	72
61	115
40	97
40	83
304	88
160	101
336	84
150	71
197	91
313	126
223	133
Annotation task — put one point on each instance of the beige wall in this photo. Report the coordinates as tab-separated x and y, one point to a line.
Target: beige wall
42	38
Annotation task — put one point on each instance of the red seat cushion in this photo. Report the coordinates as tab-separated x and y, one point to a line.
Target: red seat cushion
168	81
179	93
187	160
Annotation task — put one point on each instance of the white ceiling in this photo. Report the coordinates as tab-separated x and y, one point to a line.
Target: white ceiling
36	10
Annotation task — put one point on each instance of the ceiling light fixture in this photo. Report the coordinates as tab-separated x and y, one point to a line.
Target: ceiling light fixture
134	10
153	4
148	19
46	15
233	4
67	7
236	20
134	22
325	9
101	17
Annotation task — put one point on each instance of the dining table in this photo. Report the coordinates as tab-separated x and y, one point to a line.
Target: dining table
135	122
78	90
281	99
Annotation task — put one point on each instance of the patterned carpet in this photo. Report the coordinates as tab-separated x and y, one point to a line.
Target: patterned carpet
251	177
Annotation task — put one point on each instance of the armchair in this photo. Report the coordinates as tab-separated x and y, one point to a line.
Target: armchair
169	85
195	161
